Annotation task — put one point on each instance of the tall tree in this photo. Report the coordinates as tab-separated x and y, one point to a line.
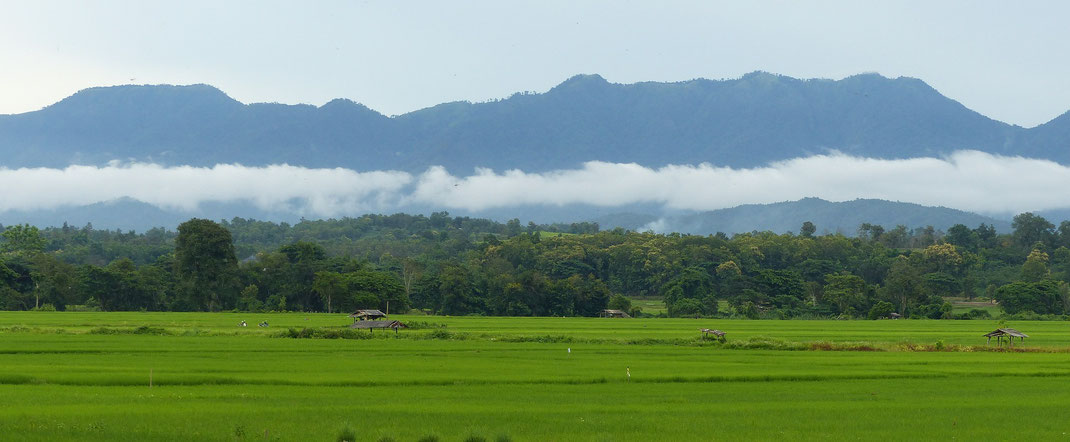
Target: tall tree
205	263
1030	229
329	285
22	240
903	284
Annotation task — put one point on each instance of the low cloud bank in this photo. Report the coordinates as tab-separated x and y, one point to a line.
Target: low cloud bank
966	180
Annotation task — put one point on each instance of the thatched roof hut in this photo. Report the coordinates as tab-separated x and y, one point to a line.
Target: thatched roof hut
378	324
371	325
367	315
1008	333
716	333
608	313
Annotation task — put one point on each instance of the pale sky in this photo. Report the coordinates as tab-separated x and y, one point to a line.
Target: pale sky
1006	60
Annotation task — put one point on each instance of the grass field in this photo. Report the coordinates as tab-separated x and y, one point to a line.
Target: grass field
85	376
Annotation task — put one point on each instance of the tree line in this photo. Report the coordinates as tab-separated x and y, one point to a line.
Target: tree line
459	266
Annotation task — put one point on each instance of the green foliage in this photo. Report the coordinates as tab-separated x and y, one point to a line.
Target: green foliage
22	239
346	434
619	302
460	266
206	265
1042	297
1030	229
1035	268
880	310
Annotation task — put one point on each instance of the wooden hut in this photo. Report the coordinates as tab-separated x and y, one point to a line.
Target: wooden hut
608	313
1008	333
371	325
717	334
367	315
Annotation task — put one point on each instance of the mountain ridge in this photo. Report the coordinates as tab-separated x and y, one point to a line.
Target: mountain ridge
788	216
746	122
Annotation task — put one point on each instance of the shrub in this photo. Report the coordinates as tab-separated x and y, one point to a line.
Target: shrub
880	310
347	435
146	330
687	307
619	302
749	310
440	334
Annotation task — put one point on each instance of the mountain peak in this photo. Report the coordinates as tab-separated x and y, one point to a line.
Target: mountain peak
582	81
163	97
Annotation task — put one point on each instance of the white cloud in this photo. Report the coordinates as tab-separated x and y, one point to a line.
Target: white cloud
321	192
967	180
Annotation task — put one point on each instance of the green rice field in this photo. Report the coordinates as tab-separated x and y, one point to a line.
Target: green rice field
86	376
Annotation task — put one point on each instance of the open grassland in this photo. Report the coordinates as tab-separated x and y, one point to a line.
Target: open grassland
85	376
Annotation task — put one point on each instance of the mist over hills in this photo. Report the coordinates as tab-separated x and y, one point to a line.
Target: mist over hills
742	123
829	217
745	122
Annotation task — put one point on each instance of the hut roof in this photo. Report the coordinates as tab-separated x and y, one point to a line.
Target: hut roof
378	324
369	313
615	313
715	332
1006	332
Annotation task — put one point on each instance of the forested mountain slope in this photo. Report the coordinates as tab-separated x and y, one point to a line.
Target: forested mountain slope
743	122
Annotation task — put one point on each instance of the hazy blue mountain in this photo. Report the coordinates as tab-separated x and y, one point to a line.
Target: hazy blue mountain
828	217
743	122
130	214
844	217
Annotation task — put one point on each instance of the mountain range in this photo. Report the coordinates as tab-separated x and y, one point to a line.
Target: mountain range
829	217
744	122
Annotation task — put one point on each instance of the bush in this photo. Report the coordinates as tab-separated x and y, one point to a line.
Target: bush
146	330
347	435
749	310
687	307
619	302
440	334
82	308
880	310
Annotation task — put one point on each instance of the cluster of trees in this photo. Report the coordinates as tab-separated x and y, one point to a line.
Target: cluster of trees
459	265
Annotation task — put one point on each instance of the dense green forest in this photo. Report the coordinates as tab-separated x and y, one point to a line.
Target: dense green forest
459	266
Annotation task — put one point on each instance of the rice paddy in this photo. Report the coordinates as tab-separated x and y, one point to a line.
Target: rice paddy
86	376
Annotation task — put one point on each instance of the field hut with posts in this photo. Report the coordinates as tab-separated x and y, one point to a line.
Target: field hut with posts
1005	333
609	313
717	334
372	325
370	320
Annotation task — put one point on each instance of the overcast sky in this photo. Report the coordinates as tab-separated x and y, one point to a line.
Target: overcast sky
1006	60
